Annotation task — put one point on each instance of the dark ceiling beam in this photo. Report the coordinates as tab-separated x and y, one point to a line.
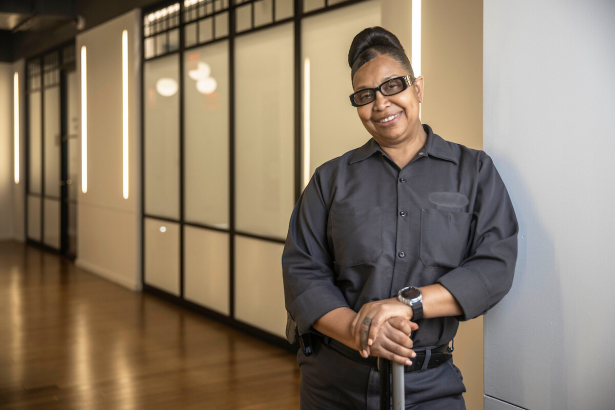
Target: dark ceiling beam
27	44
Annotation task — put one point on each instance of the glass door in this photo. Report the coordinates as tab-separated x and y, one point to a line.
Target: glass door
70	164
53	152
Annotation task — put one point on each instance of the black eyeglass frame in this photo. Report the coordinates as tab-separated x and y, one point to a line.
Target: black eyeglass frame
407	82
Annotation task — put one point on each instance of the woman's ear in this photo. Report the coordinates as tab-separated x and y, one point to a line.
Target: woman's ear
419	87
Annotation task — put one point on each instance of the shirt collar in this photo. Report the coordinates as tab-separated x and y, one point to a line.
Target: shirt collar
435	146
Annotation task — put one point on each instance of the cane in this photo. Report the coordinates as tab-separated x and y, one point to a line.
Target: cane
399	389
385	366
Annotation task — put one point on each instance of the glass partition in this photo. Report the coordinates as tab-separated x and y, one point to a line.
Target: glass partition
162	254
206	135
52	141
47	132
264	182
206	269
221	184
36	142
161	114
259	291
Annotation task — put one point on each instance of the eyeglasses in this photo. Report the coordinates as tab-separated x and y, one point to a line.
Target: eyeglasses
389	87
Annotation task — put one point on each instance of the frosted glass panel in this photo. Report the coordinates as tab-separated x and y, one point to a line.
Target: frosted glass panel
34	218
74	157
259	291
35	142
309	5
264	131
190	31
206	268
162	255
162	137
52	142
244	17
52	223
206	148
263	12
206	30
221	24
326	40
284	9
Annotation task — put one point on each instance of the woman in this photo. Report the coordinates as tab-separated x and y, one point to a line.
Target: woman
408	214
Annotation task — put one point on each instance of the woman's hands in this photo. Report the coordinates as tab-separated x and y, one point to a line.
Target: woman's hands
393	341
367	322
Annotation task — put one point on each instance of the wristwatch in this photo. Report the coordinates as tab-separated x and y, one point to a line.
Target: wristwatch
412	297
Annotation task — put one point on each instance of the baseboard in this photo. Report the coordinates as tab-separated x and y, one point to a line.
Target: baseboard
109	275
491	403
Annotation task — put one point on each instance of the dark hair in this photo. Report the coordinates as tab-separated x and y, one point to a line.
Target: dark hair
373	42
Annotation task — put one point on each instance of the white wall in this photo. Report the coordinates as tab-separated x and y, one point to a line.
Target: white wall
6	151
549	124
108	226
19	190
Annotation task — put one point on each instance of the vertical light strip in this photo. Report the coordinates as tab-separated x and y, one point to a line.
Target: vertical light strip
306	123
84	122
16	124
416	40
125	107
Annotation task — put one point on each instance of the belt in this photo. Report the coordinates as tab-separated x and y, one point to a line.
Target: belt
435	356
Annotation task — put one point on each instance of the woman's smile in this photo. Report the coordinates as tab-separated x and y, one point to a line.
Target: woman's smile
389	121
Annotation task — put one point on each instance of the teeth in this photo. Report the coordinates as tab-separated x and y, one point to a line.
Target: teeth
387	119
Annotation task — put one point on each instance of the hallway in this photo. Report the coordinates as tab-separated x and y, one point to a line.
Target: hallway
71	340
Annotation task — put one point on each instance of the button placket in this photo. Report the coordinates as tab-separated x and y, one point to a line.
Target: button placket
402	242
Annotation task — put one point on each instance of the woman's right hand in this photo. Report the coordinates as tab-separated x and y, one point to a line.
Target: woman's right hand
393	341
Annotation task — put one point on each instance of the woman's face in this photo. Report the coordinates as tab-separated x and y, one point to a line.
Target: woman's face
404	105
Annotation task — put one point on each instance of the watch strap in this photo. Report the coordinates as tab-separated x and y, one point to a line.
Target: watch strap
417	311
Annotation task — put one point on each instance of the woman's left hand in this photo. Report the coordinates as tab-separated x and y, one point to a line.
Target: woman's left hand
372	315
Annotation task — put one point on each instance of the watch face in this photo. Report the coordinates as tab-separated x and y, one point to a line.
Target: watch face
411	293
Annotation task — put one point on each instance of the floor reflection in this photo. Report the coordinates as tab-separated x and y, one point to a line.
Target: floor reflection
71	340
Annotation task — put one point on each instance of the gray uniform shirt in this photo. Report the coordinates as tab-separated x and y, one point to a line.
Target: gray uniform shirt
363	228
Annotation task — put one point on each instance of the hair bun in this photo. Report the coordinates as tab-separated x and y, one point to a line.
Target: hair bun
370	37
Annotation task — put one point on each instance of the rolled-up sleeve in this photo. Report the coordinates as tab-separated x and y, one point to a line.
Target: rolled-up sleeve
307	264
486	275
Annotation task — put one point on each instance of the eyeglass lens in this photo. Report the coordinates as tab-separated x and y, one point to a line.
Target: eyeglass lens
391	87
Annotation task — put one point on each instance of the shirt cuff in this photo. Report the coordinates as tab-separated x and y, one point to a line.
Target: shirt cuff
469	291
314	303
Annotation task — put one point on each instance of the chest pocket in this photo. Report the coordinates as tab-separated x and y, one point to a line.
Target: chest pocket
444	237
356	234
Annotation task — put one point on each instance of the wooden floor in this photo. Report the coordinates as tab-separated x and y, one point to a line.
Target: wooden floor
71	340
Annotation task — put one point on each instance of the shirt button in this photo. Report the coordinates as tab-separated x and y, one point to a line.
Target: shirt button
402	180
401	254
402	213
421	153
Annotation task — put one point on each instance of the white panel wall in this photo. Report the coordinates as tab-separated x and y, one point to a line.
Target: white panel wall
108	225
549	126
326	39
6	151
19	190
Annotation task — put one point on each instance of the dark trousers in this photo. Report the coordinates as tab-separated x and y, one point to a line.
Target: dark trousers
330	380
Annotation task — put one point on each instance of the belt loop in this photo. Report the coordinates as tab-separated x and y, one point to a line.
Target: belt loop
327	339
427	357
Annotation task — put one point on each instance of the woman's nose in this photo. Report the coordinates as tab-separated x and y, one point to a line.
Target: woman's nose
381	102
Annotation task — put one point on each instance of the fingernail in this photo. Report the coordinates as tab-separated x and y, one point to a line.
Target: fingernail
369	342
413	355
408	362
